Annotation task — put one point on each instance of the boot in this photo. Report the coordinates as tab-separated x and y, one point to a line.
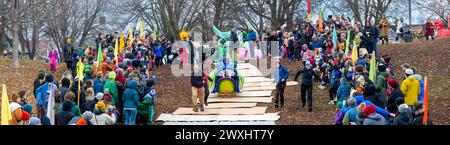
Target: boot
195	108
202	108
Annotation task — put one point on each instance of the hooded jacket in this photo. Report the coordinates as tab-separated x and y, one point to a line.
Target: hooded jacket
63	117
98	86
101	118
381	83
131	96
111	88
343	91
374	119
403	118
411	89
360	99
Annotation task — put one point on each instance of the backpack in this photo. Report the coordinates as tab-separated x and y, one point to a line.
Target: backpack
339	117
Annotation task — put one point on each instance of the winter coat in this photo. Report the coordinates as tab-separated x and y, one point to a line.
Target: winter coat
144	109
251	36
429	29
381	83
111	88
75	90
385	28
131	96
351	116
68	51
89	106
74	109
42	94
374	119
62	92
404	118
390	105
418	118
411	89
158	51
101	118
98	85
343	91
283	73
36	85
360	99
308	75
16	113
64	116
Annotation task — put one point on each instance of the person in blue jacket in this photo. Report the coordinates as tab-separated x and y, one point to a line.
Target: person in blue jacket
344	89
158	54
281	78
251	35
131	102
360	99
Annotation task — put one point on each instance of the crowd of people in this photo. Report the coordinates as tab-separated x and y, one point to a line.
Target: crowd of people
100	87
106	87
338	54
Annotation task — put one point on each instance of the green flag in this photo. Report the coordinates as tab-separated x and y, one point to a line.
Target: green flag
372	67
100	54
347	44
154	35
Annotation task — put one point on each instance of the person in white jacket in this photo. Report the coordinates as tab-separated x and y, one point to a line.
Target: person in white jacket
101	117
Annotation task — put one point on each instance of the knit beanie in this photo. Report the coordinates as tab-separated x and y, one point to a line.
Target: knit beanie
368	110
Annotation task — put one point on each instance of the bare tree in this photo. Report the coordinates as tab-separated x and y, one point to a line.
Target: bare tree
440	8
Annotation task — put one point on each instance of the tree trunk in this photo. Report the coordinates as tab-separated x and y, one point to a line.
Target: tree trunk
218	5
2	37
34	42
15	26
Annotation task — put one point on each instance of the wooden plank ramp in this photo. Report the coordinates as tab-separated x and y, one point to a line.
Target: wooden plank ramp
210	118
241	100
226	111
239	110
230	105
248	94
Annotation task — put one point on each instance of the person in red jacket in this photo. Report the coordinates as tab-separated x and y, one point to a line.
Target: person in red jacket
429	29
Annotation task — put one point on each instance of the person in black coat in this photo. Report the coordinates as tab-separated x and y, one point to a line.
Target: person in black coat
307	84
396	93
64	117
377	100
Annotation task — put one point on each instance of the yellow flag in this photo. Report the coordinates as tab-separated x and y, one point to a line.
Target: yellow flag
6	113
122	42
355	53
131	36
80	68
141	33
116	51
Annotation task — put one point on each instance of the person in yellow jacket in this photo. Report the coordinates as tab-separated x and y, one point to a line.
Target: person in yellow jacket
410	88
